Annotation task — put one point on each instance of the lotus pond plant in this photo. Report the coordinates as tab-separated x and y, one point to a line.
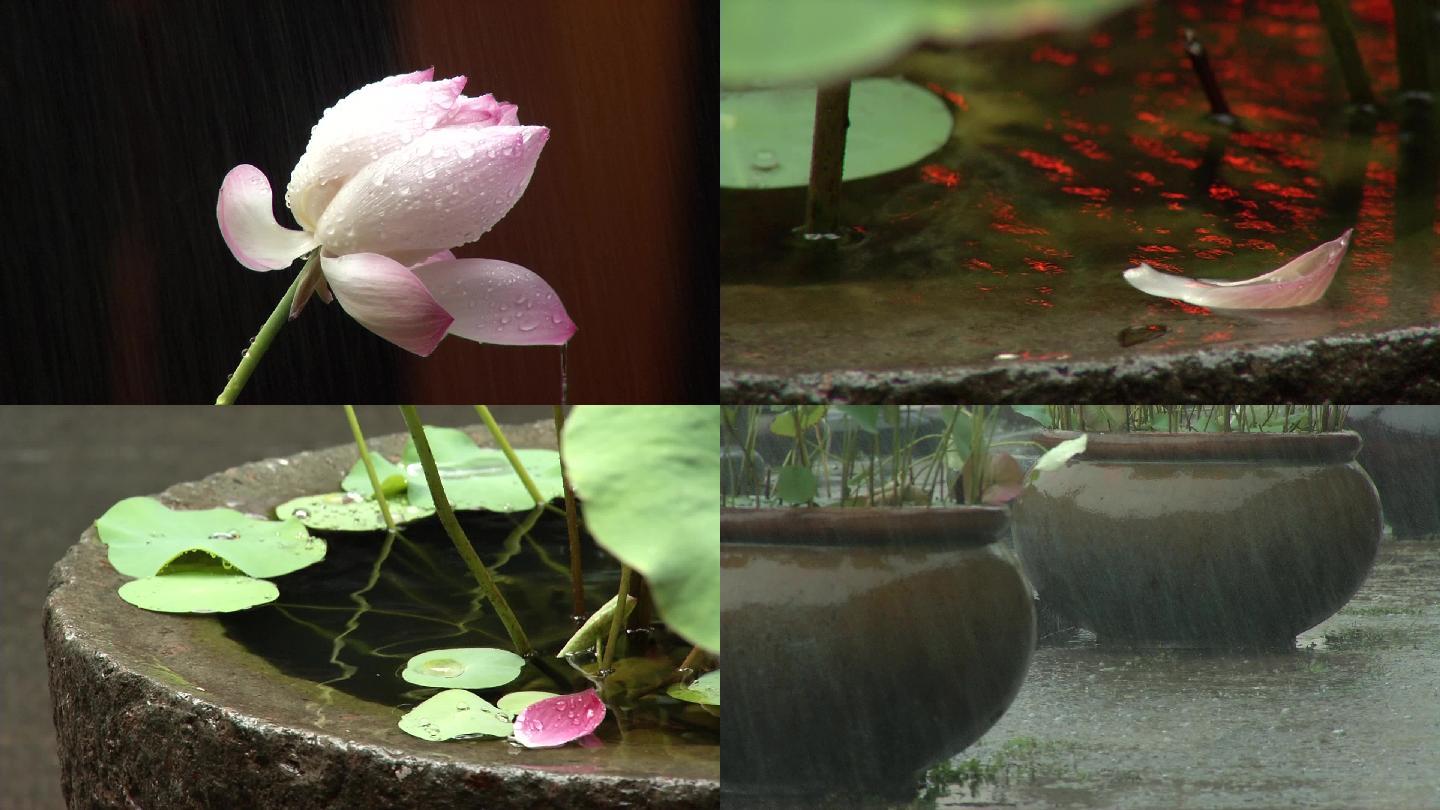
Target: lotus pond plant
1189	418
395	175
877	455
638	480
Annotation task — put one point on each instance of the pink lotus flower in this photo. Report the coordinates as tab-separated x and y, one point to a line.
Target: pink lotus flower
396	174
558	720
1300	282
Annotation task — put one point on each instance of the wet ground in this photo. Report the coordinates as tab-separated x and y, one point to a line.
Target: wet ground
997	260
1351	719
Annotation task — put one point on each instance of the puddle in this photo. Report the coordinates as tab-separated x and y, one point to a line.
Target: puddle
1074	157
1346	720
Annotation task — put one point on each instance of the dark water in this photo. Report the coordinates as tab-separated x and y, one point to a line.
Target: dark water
1076	156
329	627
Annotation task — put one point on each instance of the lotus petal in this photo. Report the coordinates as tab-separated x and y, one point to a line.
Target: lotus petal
386	298
558	720
483	111
247	222
445	189
1302	281
362	127
497	302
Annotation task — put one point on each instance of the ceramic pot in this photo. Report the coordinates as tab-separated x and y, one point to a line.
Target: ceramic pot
1402	455
1200	539
871	643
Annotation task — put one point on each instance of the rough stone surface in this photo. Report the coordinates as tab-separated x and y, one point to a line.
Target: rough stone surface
1388	367
155	710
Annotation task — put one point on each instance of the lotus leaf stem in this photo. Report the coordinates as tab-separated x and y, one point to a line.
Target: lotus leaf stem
619	620
572	525
509	452
370	468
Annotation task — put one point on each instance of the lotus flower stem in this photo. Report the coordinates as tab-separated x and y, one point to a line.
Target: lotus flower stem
1336	16
457	535
509	452
572	526
618	622
369	466
827	159
251	358
1200	60
691	659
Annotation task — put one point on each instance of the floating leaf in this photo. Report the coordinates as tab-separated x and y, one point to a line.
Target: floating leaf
597	626
558	720
1055	457
1037	413
704	689
463	668
480	477
213	592
392	477
515	702
455	714
1301	281
795	484
868	416
766	135
764	42
350	511
648	477
143	535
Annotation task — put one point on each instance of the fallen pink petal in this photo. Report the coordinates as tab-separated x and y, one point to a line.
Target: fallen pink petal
1301	282
559	720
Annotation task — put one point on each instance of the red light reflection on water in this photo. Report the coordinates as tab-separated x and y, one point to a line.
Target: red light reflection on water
939	175
1050	164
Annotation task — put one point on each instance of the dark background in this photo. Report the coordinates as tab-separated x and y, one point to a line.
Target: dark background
121	117
60	468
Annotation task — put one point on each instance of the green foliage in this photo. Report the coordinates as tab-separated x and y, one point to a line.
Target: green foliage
352	511
809	416
796	484
480	477
464	668
456	714
763	42
766	135
143	535
516	702
1190	418
596	627
647	478
392	477
198	591
704	690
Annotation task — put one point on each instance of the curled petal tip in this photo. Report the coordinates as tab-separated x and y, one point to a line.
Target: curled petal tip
247	222
1298	283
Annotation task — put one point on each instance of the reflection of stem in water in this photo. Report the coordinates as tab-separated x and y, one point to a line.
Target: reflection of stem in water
545	558
511	546
1344	168
827	159
1336	16
504	445
572	527
1417	180
457	534
358	597
370	469
619	620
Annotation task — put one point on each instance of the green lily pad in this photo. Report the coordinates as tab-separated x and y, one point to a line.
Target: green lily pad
487	481
648	478
463	668
198	592
796	484
597	626
765	135
391	475
456	714
704	690
767	43
143	535
451	447
515	702
350	511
